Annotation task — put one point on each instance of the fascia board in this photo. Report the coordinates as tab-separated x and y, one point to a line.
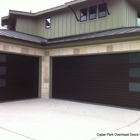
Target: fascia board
45	11
14	12
50	10
3	18
34	14
74	2
59	7
20	13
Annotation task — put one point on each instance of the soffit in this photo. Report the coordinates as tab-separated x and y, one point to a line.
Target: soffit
136	3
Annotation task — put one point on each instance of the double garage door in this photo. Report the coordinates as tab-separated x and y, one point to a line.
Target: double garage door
112	79
18	77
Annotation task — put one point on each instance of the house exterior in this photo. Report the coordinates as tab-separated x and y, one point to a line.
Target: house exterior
84	50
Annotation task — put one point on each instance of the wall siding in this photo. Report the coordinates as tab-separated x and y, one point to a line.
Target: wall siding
64	23
130	14
26	25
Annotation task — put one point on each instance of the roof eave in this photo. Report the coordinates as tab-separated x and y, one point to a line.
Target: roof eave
45	11
98	40
59	7
50	10
21	13
74	2
4	20
21	41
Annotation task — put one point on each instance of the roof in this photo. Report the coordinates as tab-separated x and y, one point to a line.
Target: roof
10	20
13	13
21	36
97	35
94	35
65	5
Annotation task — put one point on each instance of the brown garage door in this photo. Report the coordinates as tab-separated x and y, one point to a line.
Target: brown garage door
18	77
107	79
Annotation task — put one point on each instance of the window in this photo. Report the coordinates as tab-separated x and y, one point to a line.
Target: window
2	70
134	72
2	82
83	14
92	12
2	58
48	23
138	19
102	10
134	58
134	87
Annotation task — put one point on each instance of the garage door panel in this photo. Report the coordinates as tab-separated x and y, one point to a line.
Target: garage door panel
21	77
108	79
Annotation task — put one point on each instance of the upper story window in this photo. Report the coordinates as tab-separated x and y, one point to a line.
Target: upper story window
83	14
92	12
48	23
102	10
138	19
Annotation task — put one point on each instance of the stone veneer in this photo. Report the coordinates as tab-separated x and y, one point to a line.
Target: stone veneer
17	49
130	46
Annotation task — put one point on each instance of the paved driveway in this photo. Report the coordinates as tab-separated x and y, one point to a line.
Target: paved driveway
50	119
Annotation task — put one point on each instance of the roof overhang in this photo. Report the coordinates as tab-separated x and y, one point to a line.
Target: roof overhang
76	43
106	36
13	13
136	4
5	21
11	19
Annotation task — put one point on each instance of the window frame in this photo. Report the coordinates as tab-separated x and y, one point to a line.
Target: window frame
46	23
86	14
105	4
95	13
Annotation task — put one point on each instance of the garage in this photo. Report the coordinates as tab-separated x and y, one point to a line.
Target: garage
19	77
112	79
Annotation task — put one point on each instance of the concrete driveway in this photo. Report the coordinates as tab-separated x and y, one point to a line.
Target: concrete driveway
50	119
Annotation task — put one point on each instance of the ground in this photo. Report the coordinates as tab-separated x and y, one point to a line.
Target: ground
50	119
